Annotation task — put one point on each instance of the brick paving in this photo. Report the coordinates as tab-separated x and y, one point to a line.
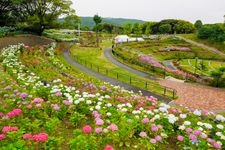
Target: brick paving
197	96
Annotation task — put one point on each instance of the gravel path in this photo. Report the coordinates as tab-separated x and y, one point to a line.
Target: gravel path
202	45
110	80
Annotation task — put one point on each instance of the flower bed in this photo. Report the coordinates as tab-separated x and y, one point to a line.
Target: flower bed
175	48
54	115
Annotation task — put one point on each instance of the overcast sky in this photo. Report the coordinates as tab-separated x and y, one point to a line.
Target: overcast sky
209	11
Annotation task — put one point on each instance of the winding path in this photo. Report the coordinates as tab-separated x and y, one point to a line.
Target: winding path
109	56
102	77
190	95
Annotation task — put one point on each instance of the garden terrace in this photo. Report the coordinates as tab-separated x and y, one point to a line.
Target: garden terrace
55	115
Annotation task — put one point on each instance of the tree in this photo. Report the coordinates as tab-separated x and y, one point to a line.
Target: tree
198	24
219	77
38	15
136	29
165	28
5	9
127	28
184	27
71	22
212	32
97	19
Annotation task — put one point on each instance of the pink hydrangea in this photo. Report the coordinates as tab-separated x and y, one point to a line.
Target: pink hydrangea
37	100
143	134
15	112
38	105
217	145
87	129
153	141
98	130
180	138
108	147
145	120
58	94
96	114
2	136
158	138
189	130
197	132
23	95
29	106
55	107
192	137
113	127
27	136
154	127
66	102
9	129
41	137
99	122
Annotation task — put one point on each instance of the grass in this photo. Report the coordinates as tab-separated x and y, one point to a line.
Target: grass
189	65
95	56
220	46
154	48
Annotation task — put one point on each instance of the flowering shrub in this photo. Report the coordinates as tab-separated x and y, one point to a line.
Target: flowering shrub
83	115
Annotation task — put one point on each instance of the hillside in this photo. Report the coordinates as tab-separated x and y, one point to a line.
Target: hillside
88	21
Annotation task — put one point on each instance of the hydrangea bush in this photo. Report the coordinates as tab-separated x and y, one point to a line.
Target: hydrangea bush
55	115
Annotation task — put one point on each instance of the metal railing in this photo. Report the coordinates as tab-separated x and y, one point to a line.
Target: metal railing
147	85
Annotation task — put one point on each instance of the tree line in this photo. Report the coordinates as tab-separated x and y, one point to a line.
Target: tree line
168	26
34	15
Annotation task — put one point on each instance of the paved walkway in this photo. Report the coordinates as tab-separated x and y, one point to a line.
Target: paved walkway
197	96
202	45
110	80
190	95
109	56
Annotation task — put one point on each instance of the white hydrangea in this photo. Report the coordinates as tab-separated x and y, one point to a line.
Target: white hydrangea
88	102
220	118
197	112
183	116
187	123
219	134
208	126
200	123
97	107
172	119
182	127
108	114
219	126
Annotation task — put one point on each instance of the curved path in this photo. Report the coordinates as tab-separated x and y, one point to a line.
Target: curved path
190	95
109	56
108	79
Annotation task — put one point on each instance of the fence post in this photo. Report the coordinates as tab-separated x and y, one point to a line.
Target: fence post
146	84
130	79
98	68
164	91
173	94
117	75
106	70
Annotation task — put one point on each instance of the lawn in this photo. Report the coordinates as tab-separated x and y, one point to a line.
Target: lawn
206	69
94	58
155	48
220	46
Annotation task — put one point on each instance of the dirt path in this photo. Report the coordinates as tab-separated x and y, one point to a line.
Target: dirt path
197	96
202	45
